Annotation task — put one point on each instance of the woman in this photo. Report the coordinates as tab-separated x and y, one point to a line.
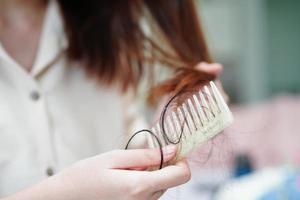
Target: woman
68	71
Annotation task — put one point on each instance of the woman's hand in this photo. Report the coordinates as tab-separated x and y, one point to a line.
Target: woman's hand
215	69
110	176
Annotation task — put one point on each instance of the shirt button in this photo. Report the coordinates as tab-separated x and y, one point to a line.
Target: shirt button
35	95
49	171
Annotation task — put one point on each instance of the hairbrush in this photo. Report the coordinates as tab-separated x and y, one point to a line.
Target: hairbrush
200	117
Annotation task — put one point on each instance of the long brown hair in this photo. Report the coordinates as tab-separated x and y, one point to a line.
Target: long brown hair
108	36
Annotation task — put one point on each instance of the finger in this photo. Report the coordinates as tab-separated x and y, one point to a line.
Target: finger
138	168
170	176
139	158
158	194
214	68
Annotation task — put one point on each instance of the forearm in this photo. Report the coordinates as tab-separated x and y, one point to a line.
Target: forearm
49	189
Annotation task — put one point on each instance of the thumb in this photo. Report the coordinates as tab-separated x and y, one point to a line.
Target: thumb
139	158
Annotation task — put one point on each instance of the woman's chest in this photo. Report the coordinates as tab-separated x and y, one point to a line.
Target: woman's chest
64	119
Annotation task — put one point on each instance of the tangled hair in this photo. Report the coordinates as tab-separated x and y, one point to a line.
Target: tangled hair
109	37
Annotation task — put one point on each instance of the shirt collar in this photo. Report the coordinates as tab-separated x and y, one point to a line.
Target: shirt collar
53	39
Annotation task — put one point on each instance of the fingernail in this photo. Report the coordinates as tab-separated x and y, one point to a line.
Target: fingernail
169	150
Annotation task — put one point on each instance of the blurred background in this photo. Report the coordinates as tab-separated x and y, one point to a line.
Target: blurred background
258	43
258	157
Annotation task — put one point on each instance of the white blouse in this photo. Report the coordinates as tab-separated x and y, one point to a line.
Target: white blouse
54	115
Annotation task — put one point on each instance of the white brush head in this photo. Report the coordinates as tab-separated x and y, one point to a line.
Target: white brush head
199	118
